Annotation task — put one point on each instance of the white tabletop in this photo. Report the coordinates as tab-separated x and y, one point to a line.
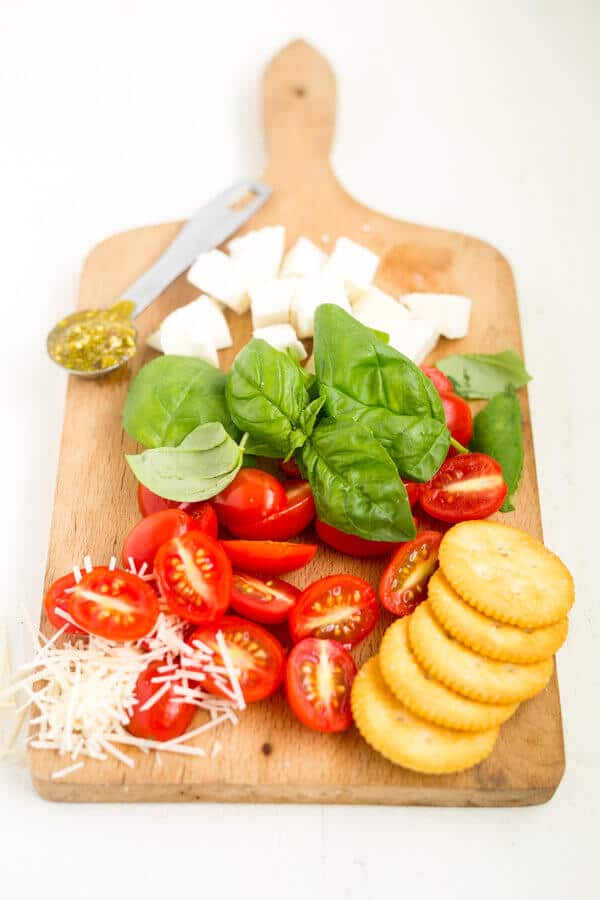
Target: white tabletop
473	116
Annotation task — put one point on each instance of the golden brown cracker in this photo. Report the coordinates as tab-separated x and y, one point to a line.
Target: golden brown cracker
506	574
425	696
467	672
487	636
407	740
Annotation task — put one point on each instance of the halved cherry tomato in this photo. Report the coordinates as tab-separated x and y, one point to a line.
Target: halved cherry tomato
467	486
459	418
413	489
115	605
57	597
201	512
290	468
351	544
252	495
289	521
268	557
144	539
441	382
165	719
194	576
403	585
342	608
268	601
318	681
255	653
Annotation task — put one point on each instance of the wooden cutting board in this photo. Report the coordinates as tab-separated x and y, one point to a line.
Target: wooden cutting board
270	757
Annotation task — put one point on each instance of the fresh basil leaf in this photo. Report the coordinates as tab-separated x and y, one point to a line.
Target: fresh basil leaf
172	395
383	336
200	467
363	379
266	395
355	482
480	376
498	431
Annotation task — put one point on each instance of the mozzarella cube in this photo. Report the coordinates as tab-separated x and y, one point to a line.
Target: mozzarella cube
178	343
351	262
270	302
415	338
304	258
379	310
154	341
217	274
282	337
450	313
310	293
202	317
259	252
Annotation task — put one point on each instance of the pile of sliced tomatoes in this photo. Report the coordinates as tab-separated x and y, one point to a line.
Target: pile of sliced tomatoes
274	632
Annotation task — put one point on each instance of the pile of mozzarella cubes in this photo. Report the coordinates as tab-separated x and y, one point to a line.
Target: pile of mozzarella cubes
283	292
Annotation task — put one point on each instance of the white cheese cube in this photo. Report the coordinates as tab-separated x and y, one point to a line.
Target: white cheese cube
217	274
259	252
270	302
450	313
379	310
202	317
176	342
154	341
304	258
415	338
311	292
352	262
282	337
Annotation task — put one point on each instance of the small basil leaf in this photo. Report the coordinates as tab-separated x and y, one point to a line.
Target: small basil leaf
480	376
170	396
498	431
355	483
266	394
200	467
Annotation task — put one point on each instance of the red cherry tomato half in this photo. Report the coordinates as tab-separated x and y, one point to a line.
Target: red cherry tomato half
413	489
459	418
194	576
467	486
144	539
318	681
268	557
202	513
403	585
268	601
255	653
165	719
57	597
342	608
441	382
252	495
289	521
351	543
290	468
114	605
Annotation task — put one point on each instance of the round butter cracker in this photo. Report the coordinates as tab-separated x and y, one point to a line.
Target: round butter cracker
467	672
425	696
407	740
487	636
506	574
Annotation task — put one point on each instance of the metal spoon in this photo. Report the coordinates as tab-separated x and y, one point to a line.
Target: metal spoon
210	226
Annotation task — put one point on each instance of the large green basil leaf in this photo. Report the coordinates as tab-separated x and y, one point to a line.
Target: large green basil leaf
200	467
355	482
480	376
498	431
364	379
267	394
172	395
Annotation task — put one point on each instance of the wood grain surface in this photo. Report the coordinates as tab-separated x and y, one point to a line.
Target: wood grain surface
95	501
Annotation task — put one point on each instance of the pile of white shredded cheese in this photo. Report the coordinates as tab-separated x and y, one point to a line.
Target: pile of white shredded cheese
80	691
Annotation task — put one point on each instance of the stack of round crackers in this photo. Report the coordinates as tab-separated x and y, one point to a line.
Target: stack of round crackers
447	676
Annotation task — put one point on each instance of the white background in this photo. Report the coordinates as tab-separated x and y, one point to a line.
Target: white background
474	116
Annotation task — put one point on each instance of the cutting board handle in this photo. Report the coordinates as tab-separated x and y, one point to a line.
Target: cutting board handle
298	109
